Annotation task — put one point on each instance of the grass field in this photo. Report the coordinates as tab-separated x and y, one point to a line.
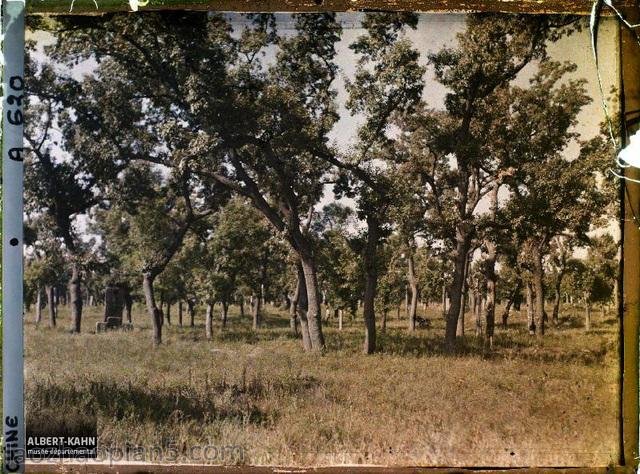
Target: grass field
528	403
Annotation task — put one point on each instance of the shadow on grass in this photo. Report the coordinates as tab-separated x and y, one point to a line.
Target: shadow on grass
117	401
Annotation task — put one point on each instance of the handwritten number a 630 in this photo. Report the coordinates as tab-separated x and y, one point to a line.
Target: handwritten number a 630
15	117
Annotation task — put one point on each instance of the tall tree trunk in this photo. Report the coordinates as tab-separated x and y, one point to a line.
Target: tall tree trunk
208	322
407	296
256	307
490	269
39	305
555	315
241	304
180	313
413	287
75	292
169	313
340	316
293	307
587	314
191	309
384	320
303	309
455	289
444	302
128	303
531	322
370	285
224	313
314	320
52	306
154	312
477	311
463	301
538	285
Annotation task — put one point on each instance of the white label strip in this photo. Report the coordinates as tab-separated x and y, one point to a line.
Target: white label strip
12	243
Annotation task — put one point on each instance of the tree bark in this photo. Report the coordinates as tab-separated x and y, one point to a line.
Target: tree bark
444	302
256	311
128	303
313	319
477	311
208	322
538	285
490	270
371	284
154	312
180	313
531	322
75	292
413	287
302	307
455	289
191	309
463	301
52	306
241	307
224	313
39	305
587	314
293	307
169	313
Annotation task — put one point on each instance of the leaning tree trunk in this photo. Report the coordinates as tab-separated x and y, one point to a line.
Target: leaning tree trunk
52	306
413	287
370	285
224	313
208	322
538	285
154	312
75	292
39	305
455	290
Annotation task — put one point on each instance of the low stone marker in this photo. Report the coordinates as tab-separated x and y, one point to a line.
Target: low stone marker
114	302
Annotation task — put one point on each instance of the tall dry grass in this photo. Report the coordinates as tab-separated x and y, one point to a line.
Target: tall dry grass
528	403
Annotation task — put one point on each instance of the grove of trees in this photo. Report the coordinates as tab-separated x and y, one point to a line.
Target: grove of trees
191	163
